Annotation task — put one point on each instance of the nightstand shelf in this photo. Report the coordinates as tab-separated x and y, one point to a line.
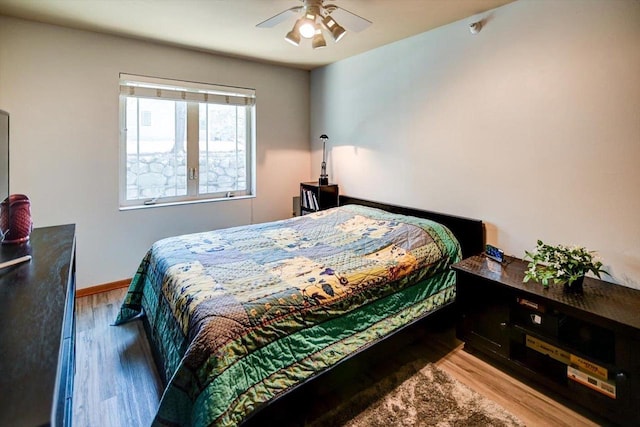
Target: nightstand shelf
583	347
314	197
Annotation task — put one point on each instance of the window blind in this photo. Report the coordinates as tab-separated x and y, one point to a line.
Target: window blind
152	87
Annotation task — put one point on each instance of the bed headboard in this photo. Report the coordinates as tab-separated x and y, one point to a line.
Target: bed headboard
469	232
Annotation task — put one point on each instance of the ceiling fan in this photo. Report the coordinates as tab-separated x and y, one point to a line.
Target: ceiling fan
313	16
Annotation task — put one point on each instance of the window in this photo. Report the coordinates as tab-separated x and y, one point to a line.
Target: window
184	142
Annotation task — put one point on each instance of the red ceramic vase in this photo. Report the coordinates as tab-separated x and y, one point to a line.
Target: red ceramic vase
15	219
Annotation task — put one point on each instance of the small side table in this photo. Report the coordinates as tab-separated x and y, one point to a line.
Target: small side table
315	197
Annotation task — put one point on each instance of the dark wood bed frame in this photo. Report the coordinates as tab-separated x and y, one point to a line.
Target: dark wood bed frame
469	232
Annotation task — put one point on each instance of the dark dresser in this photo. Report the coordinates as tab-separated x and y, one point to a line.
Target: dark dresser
37	329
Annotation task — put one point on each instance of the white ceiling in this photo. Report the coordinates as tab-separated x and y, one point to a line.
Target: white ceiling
227	27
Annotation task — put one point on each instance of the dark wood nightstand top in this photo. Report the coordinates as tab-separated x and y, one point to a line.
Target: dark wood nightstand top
606	300
316	184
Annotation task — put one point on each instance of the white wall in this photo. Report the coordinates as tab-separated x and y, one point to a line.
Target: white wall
533	125
61	88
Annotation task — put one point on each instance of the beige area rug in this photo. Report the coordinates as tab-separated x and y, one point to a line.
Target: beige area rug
428	397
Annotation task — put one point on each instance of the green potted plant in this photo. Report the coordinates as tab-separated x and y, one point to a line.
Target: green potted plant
561	264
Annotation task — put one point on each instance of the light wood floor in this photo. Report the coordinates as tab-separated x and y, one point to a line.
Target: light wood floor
116	383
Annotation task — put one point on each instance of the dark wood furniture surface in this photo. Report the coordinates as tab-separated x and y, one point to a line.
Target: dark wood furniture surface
37	329
325	196
546	334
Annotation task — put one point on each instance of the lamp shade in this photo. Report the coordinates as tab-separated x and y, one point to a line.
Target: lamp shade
336	30
318	40
293	36
307	27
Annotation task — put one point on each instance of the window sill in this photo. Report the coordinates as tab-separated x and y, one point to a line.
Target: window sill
184	202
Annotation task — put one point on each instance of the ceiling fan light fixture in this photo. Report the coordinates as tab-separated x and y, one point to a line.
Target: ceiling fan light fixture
318	40
313	18
337	31
307	27
293	36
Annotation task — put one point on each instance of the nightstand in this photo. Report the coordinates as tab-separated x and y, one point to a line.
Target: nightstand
583	347
315	197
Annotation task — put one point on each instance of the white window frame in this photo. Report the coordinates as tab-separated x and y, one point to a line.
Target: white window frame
194	94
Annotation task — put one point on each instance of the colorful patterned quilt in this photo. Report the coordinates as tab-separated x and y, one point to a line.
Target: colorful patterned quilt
240	316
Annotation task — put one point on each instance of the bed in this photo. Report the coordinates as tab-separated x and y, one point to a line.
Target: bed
239	317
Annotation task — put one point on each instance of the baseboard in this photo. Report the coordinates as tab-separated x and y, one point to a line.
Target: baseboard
106	287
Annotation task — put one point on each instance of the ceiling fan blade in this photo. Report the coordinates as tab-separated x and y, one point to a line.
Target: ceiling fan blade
349	20
280	17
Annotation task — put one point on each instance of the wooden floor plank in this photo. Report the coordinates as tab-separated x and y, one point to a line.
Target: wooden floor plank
531	406
116	382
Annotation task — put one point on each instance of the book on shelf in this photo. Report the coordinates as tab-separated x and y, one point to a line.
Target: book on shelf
309	200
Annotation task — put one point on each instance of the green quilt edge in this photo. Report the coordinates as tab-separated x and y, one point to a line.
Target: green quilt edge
333	343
